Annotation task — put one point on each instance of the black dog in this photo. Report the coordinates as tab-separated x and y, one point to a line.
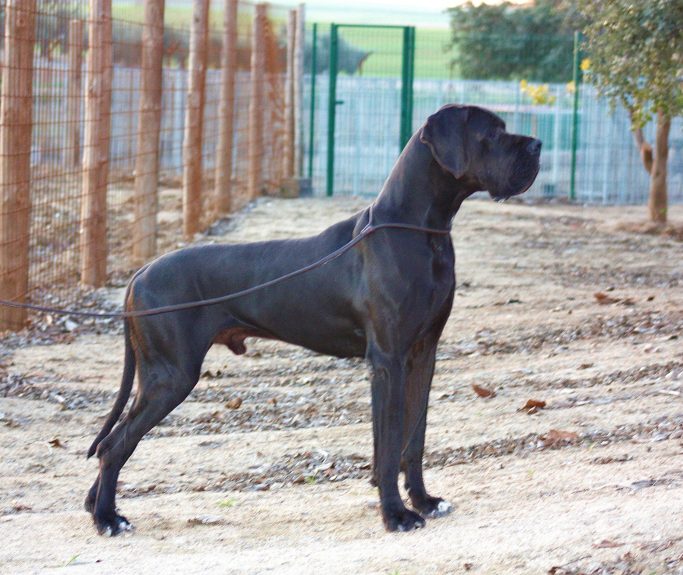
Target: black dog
387	299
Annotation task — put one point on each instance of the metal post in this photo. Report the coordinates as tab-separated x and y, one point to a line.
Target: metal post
404	87
575	113
411	77
331	107
314	75
407	73
413	43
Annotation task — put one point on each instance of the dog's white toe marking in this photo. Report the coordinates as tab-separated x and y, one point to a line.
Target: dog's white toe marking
444	507
107	532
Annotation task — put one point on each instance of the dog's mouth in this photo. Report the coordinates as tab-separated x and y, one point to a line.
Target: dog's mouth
515	189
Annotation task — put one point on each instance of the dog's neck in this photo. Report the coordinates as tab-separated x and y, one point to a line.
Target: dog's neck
418	191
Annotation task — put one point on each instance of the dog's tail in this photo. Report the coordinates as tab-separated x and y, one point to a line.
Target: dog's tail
124	391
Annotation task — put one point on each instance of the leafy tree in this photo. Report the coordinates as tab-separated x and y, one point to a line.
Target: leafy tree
507	41
636	55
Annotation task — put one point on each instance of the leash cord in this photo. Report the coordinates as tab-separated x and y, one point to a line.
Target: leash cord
369	229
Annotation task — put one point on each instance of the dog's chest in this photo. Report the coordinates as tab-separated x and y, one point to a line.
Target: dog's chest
440	281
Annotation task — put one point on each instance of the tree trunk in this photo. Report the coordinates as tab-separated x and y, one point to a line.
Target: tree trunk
645	149
658	192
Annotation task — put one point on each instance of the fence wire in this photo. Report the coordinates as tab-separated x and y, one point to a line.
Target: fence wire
60	158
526	79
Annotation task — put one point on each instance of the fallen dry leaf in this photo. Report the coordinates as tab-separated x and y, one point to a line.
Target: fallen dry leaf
205	520
482	391
556	436
234	403
55	442
607	544
532	406
604	299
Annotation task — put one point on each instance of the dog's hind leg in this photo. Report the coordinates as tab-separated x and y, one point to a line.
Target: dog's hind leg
419	381
160	390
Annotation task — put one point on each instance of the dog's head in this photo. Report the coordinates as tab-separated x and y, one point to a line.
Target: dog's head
472	145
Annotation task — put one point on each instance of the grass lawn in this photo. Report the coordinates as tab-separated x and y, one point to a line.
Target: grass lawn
432	54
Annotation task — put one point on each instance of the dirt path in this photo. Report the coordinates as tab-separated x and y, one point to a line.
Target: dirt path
280	485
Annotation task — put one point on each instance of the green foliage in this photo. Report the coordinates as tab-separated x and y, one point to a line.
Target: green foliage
505	41
636	54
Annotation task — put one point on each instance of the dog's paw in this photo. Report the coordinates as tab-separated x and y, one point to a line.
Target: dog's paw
114	525
432	506
441	508
403	520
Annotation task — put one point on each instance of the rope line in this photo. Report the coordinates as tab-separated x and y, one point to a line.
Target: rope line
369	229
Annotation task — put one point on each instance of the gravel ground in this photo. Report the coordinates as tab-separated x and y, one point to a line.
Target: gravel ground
566	459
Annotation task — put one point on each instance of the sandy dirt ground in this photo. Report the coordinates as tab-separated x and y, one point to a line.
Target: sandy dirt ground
590	483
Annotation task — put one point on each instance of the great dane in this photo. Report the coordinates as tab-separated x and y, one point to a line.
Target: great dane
386	299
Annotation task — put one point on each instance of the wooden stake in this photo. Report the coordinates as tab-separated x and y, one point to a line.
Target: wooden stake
258	65
194	120
149	128
16	119
288	140
226	112
299	49
96	150
74	93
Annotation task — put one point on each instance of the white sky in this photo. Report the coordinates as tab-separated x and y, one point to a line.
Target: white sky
402	5
423	13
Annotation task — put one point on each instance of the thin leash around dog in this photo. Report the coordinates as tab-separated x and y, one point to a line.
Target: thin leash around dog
368	230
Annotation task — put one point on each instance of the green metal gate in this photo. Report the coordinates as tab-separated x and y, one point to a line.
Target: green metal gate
392	52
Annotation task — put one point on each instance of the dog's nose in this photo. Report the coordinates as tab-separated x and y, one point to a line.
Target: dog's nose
534	146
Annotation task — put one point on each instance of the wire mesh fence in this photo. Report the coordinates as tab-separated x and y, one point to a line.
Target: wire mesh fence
588	150
104	172
124	133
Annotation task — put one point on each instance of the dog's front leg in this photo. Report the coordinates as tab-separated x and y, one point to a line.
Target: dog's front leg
419	381
388	402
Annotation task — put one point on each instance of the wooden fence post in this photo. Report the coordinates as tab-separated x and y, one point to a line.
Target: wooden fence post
288	140
258	65
226	112
96	146
149	128
194	120
299	49
16	120
74	93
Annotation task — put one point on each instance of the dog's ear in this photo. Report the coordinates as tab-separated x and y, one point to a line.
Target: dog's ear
445	133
